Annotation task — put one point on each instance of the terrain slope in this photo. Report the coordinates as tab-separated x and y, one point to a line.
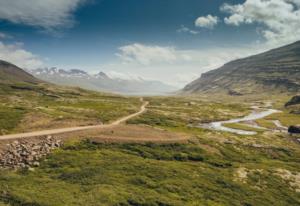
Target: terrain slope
275	71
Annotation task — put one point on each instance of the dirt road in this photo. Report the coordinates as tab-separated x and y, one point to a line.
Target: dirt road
74	129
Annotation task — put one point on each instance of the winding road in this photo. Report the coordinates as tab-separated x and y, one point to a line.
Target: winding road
74	129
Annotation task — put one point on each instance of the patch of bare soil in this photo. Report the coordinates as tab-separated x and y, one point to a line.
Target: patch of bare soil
128	134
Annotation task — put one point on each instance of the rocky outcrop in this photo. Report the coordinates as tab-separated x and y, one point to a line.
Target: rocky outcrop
294	101
26	154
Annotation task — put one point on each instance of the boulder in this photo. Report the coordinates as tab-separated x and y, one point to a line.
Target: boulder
294	130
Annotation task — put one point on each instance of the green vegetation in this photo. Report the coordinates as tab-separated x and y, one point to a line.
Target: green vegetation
178	112
266	123
150	174
52	106
10	117
213	168
287	119
242	126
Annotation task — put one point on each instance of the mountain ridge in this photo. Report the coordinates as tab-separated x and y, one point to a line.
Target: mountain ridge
277	69
101	81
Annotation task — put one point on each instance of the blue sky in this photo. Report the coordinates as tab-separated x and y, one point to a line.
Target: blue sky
170	40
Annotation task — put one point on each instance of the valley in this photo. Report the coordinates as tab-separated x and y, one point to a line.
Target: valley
63	145
149	103
202	167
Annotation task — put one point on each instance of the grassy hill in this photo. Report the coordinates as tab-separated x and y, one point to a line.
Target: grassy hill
28	104
275	71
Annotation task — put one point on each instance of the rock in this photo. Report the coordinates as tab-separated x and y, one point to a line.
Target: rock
23	154
234	93
295	100
36	164
294	130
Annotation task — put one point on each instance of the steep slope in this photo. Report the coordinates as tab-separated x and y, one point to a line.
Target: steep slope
10	73
101	82
277	70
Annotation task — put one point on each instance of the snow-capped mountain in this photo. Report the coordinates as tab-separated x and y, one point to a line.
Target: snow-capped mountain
102	81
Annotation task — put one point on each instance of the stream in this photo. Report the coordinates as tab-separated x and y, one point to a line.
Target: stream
255	115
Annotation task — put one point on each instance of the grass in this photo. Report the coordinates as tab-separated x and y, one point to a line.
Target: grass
10	117
241	126
266	123
150	174
203	171
286	119
54	106
175	112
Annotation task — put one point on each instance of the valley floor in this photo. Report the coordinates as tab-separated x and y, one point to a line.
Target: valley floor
205	167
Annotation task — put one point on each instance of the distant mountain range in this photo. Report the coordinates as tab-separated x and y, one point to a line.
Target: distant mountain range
101	81
275	71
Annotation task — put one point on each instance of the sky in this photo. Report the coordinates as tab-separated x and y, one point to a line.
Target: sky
173	41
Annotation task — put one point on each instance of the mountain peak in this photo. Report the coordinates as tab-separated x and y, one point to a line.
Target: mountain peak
102	75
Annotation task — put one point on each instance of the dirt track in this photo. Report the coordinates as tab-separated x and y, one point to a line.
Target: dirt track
74	129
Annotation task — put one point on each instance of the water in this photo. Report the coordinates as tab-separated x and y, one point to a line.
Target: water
251	117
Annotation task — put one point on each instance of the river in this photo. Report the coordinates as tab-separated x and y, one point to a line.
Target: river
255	115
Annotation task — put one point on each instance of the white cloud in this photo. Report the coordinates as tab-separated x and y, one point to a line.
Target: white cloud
280	19
208	21
15	54
47	14
184	29
147	54
183	66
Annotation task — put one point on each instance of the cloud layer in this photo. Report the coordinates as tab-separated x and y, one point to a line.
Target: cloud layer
279	19
15	54
47	14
